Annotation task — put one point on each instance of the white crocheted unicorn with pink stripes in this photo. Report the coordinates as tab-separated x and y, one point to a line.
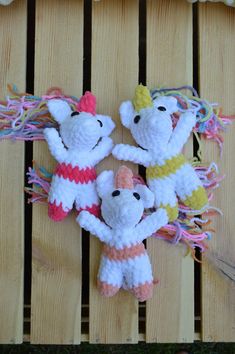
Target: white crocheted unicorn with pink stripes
81	143
124	261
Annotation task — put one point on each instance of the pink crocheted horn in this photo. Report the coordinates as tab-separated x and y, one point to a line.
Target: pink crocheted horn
124	178
87	103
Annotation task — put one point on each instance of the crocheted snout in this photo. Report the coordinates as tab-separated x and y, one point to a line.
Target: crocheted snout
81	132
123	208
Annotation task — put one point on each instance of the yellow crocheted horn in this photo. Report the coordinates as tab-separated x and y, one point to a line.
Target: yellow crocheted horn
142	98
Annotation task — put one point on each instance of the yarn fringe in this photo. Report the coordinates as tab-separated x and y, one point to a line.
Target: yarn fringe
24	116
189	228
211	122
40	179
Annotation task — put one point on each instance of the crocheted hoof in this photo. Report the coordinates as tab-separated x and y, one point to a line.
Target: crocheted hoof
197	200
172	211
106	289
94	209
56	212
143	292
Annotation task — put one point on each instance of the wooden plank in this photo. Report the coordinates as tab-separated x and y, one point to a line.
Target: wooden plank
114	77
56	277
217	74
13	21
170	313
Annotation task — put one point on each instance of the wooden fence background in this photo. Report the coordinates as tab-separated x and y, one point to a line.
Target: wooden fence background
47	271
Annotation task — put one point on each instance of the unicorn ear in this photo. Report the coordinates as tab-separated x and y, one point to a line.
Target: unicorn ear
146	195
59	109
107	124
127	113
105	183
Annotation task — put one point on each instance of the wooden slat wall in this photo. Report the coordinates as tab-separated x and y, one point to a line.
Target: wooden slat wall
57	250
13	23
56	273
217	83
170	313
114	77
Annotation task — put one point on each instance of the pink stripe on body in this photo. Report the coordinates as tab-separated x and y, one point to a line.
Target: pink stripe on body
75	174
125	253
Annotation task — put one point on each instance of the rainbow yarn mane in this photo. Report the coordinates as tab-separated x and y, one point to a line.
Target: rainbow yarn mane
24	116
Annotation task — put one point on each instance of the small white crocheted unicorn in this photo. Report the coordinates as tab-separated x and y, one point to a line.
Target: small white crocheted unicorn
81	143
168	173
124	261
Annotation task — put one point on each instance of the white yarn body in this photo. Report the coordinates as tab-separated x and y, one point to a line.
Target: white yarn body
182	183
66	192
126	274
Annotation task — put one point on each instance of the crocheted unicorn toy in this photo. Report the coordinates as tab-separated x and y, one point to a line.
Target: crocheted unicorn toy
124	261
168	173
81	143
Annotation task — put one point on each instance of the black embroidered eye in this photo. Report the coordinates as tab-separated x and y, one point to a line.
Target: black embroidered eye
115	193
136	119
136	195
75	114
101	124
161	108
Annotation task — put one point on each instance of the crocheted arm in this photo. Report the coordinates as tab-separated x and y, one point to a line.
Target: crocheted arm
96	227
131	153
182	132
102	149
55	144
151	224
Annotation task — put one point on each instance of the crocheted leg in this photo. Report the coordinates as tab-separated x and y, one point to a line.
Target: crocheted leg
107	289
143	292
138	277
87	199
109	277
165	196
190	189
60	199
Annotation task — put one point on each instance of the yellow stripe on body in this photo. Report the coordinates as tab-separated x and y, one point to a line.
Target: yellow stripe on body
170	166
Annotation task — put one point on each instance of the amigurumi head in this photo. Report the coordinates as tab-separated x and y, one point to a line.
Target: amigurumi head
149	121
122	204
124	261
80	129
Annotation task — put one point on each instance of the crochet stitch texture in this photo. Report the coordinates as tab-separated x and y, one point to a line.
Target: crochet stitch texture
81	143
168	173
124	260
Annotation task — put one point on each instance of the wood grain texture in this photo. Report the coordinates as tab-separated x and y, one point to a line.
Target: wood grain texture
114	77
170	313
13	22
56	273
217	83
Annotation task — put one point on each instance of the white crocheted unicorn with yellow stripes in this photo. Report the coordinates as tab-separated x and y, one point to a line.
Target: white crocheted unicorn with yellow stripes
168	173
124	261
